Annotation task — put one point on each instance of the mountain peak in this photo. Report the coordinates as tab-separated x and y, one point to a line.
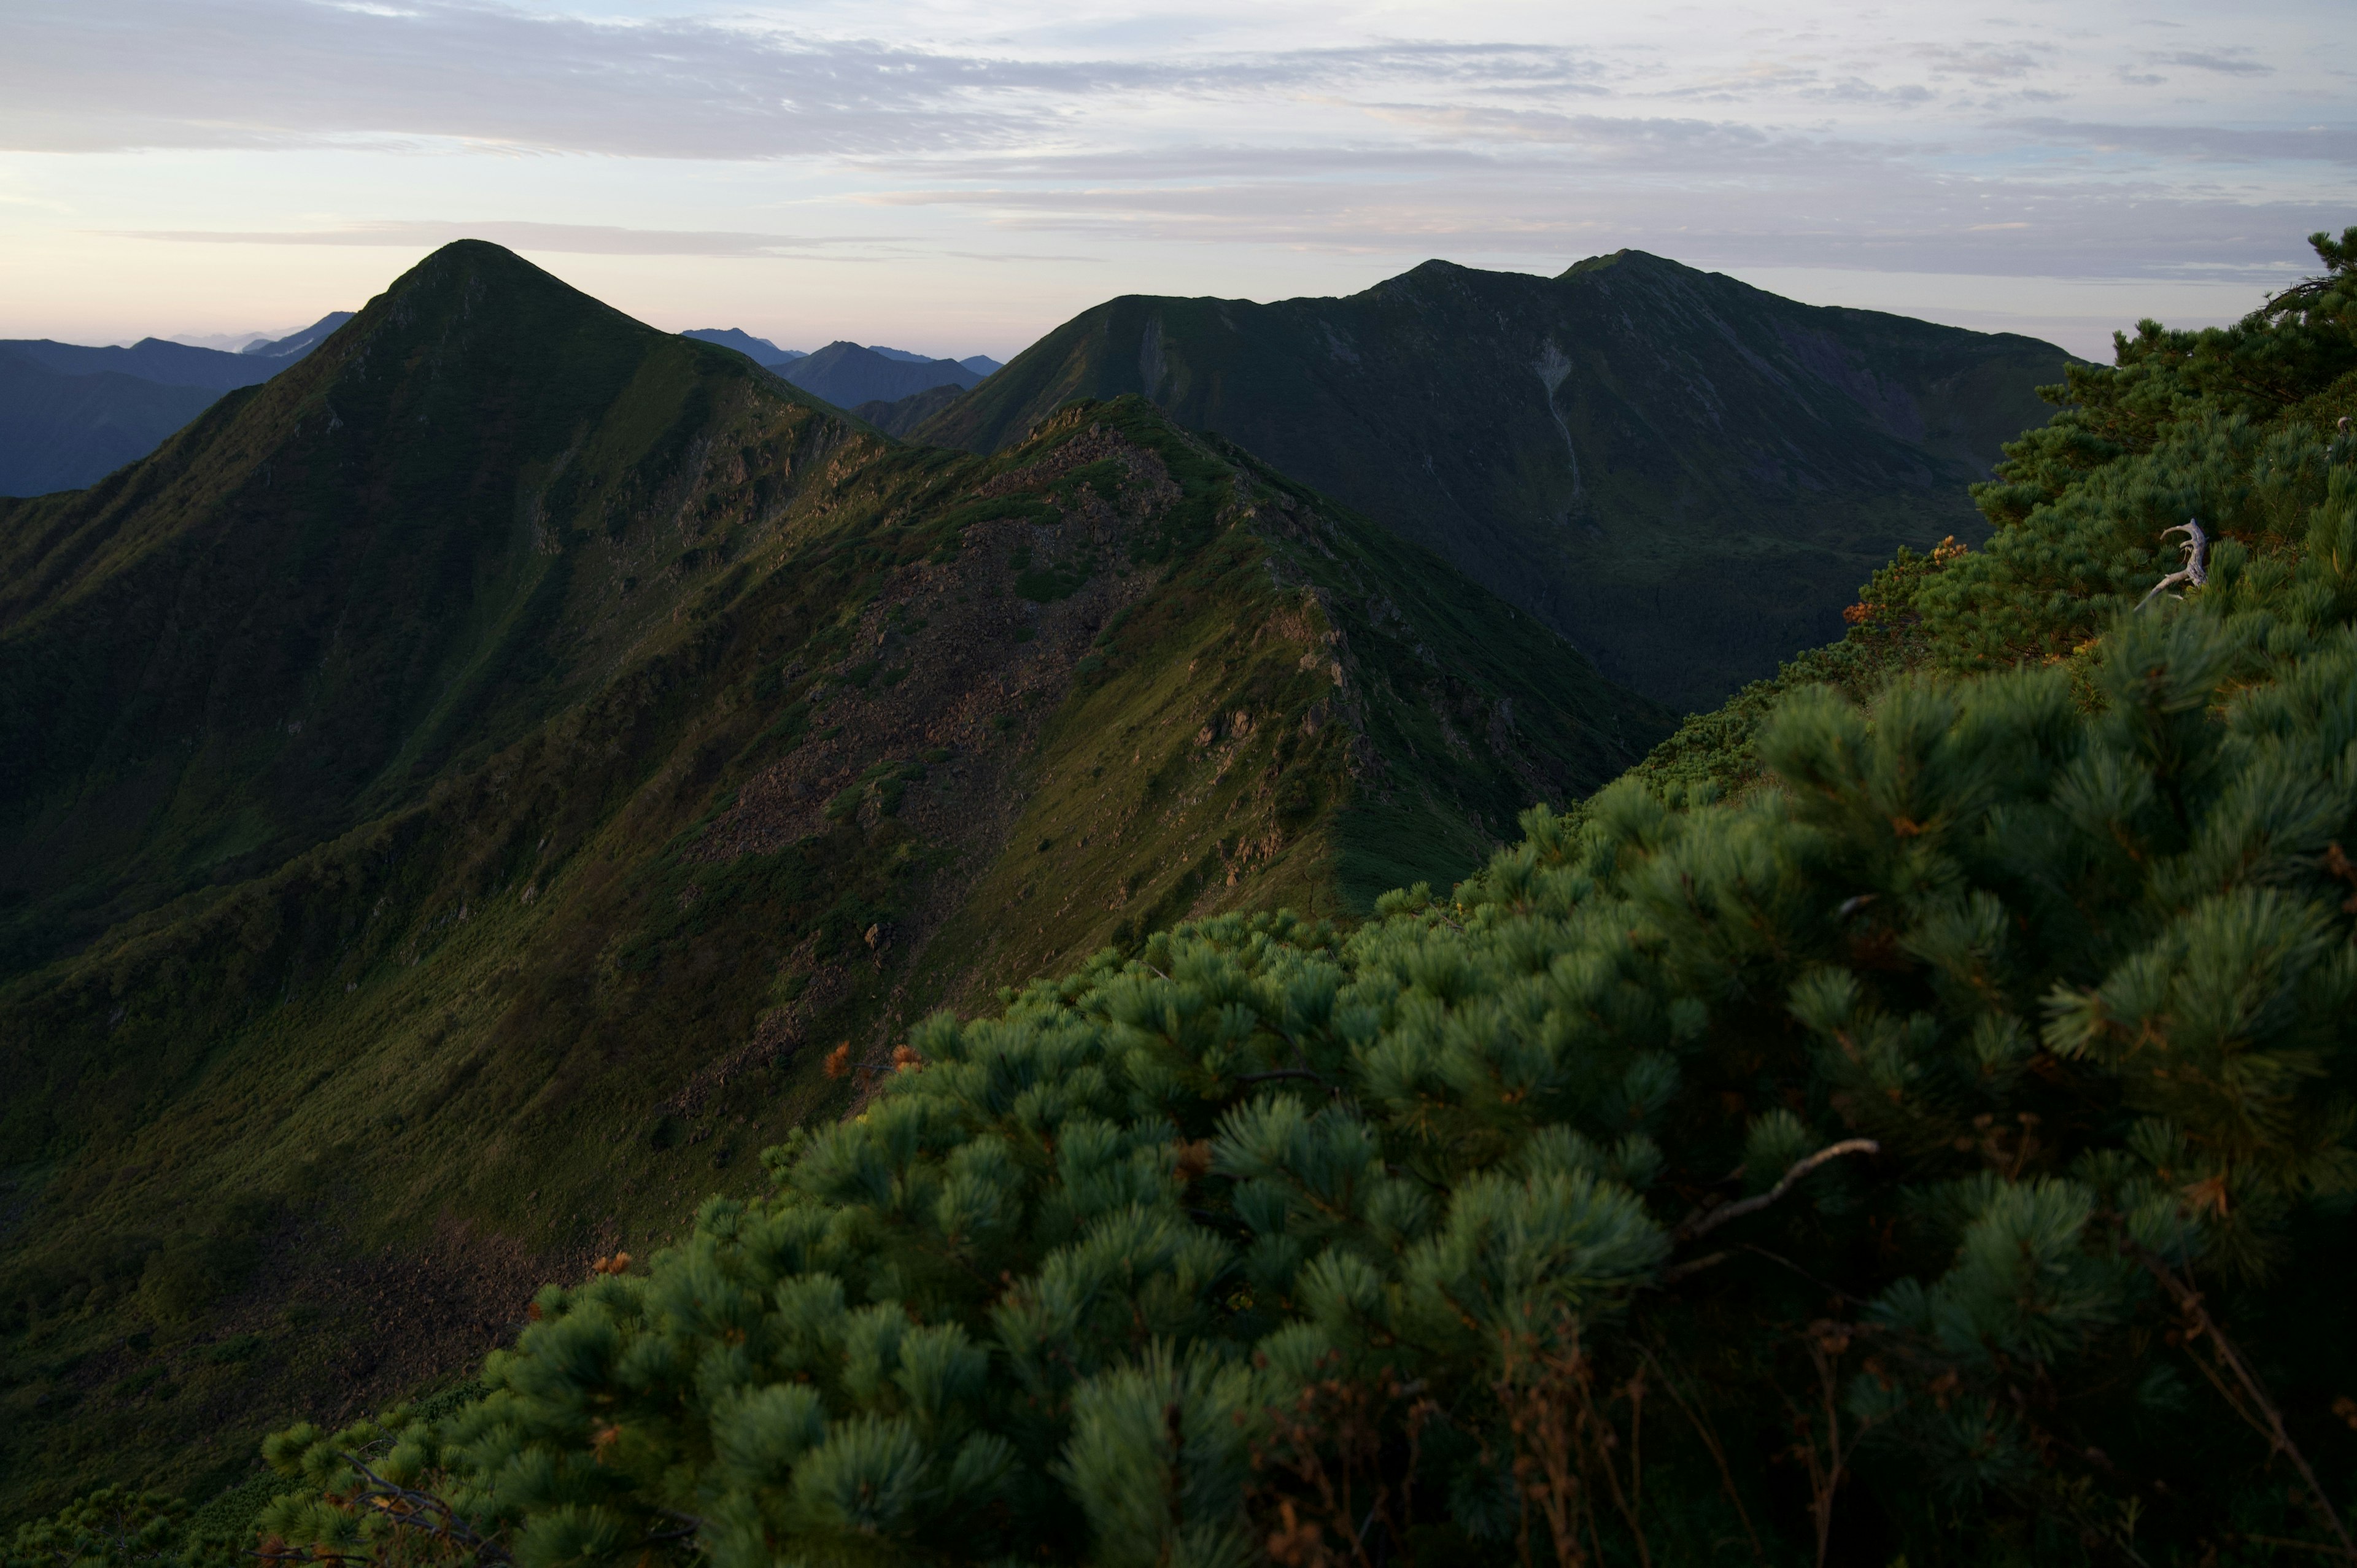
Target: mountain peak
1684	474
849	374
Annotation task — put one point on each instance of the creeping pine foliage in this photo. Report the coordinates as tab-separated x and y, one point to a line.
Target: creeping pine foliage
1941	1152
115	1527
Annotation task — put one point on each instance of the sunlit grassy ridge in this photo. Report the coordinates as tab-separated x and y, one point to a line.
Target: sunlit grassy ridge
445	842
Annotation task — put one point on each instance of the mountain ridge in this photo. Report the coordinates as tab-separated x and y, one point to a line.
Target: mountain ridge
1684	475
514	701
849	375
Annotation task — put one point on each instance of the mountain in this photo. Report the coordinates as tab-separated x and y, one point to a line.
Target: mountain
1684	475
900	417
296	345
980	364
69	415
457	797
760	350
848	375
59	430
155	359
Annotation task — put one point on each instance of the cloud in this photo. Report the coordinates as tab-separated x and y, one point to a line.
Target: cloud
105	75
2225	62
99	75
2203	143
1863	213
575	239
1979	63
1896	140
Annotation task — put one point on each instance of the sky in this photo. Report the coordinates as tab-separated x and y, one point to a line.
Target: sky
956	177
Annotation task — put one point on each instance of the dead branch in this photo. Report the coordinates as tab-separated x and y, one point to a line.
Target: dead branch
1707	1220
2196	570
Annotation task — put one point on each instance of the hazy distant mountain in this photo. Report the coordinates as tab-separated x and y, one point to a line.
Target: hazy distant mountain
980	364
151	359
70	414
61	432
296	345
760	350
1686	476
848	375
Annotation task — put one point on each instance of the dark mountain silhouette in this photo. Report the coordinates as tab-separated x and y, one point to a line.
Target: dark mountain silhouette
760	350
848	375
1686	476
980	364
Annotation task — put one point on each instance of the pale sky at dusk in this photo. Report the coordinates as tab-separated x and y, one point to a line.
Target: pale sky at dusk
958	177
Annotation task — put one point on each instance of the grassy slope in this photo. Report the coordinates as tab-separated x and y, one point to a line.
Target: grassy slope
1712	470
762	737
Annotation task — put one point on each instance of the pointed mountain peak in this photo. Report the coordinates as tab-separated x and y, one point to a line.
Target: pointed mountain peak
1628	259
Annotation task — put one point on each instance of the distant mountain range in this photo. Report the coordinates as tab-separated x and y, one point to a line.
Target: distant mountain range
70	414
980	364
760	350
849	375
1684	475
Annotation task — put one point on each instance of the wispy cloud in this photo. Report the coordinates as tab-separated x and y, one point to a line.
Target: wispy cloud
2223	62
1232	137
2203	143
562	239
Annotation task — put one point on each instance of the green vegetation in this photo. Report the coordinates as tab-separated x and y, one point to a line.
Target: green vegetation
473	785
1926	1137
1681	473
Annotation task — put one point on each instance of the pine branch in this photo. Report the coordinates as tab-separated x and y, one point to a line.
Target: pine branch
1703	1223
449	1526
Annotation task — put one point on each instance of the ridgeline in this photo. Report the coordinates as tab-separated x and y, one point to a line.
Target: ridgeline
1684	474
461	793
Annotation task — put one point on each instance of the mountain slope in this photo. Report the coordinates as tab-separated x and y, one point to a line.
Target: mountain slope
1684	475
901	416
461	795
848	375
